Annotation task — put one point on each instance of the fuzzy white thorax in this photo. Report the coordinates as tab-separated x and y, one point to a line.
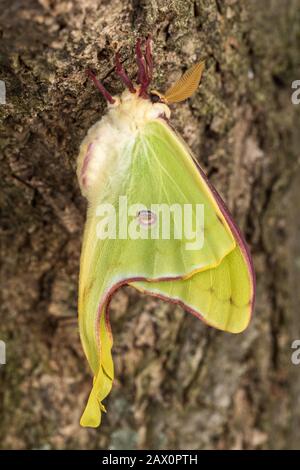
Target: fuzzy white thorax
102	152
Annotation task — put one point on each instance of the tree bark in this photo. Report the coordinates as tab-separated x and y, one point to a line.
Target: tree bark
179	383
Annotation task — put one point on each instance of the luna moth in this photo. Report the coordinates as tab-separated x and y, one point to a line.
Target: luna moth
133	158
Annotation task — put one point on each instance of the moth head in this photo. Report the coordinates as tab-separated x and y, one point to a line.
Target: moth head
156	97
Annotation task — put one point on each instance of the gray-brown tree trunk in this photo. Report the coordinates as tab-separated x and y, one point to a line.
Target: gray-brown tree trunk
179	384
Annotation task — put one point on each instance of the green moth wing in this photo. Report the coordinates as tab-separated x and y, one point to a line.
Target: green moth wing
223	295
216	282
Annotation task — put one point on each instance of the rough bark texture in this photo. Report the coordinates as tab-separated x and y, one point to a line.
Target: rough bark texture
179	384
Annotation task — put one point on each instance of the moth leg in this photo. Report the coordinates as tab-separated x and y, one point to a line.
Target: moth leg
123	75
100	87
149	58
143	78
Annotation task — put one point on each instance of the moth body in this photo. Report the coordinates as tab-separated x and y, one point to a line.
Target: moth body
102	150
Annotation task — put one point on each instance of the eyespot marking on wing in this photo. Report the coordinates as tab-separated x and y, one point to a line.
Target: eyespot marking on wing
146	218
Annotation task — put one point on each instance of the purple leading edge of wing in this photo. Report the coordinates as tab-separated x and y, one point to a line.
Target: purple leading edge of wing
85	164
